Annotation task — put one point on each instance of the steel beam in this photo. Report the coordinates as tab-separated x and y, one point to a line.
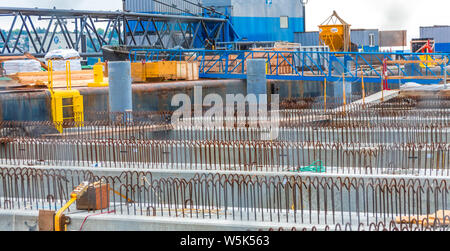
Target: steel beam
122	28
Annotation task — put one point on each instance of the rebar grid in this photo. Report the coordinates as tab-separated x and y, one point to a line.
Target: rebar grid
277	199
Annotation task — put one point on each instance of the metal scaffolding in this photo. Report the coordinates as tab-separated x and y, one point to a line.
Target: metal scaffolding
79	28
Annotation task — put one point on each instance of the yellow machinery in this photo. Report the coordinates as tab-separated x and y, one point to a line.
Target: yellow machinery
60	224
168	70
162	69
427	47
335	33
63	100
88	196
98	76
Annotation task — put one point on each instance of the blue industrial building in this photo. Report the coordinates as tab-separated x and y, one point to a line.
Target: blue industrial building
263	20
367	40
252	20
441	36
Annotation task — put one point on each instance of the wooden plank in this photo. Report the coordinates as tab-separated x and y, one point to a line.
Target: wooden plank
44	79
182	70
9	58
416	62
415	77
196	70
138	72
43	65
190	74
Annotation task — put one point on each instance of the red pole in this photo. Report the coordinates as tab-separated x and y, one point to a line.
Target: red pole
385	79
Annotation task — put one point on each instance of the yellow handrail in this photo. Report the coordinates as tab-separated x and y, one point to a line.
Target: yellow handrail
68	76
58	214
50	75
73	197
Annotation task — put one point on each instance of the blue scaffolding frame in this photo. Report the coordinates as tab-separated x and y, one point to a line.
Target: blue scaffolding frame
307	65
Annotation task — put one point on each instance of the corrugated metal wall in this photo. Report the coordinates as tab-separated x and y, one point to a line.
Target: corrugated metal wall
265	20
267	8
307	38
441	34
362	37
151	6
254	20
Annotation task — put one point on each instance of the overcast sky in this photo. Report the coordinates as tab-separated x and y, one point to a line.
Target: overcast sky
382	14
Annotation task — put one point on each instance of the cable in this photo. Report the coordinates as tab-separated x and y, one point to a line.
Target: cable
85	219
203	7
176	8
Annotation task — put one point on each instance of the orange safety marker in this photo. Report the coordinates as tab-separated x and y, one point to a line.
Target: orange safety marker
363	88
343	90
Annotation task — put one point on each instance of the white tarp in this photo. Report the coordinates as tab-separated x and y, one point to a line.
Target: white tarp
411	86
60	57
15	66
60	65
62	54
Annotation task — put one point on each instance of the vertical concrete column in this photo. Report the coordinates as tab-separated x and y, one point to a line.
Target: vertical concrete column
120	91
256	78
338	87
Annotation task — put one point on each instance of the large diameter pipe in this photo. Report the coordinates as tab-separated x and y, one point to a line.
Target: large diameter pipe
256	78
120	91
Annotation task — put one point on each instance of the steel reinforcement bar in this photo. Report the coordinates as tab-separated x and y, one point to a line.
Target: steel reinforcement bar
282	199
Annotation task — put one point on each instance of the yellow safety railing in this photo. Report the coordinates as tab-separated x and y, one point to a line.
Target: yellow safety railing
68	76
50	75
59	95
99	76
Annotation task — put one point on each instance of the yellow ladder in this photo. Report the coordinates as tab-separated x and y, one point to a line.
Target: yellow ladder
59	106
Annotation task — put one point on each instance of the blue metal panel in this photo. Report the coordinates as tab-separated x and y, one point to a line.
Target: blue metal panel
442	47
441	34
266	28
362	37
151	6
267	8
22	106
307	38
367	48
259	20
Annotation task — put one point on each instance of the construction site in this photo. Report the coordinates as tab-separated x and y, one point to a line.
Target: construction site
344	133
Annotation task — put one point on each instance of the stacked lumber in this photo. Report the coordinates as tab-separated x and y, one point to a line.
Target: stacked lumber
164	70
286	45
440	216
187	71
79	78
216	64
282	60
